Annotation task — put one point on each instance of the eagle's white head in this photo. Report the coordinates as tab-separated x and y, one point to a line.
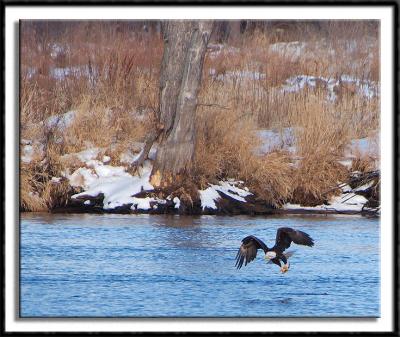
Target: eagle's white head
270	255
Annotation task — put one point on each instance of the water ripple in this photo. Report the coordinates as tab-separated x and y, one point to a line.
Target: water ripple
160	266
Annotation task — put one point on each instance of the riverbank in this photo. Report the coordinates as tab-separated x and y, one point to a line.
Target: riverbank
280	125
91	183
134	194
78	209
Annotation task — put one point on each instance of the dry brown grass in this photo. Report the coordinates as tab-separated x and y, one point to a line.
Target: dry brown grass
110	128
323	127
314	177
108	73
56	194
224	140
30	200
38	192
321	137
363	164
225	148
271	177
105	72
226	144
367	161
328	49
103	61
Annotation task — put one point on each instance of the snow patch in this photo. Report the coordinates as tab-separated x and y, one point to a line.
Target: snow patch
208	198
344	202
60	73
57	49
177	202
297	83
229	188
27	153
142	203
106	159
82	177
216	49
291	49
363	146
237	74
88	154
276	139
346	162
117	185
32	150
293	84
129	157
62	121
348	201
210	195
346	188
364	187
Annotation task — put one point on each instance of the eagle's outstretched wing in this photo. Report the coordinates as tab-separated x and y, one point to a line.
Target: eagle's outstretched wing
285	236
248	250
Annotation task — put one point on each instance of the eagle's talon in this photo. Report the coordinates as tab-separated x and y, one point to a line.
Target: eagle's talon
284	269
284	237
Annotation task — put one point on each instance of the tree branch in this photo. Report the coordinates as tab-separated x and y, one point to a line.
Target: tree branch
213	105
148	143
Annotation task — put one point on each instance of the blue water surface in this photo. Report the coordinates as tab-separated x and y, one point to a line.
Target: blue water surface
171	266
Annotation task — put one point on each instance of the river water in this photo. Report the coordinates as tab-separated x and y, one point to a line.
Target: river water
157	266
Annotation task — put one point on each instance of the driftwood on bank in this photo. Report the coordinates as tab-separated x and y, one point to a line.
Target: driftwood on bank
357	180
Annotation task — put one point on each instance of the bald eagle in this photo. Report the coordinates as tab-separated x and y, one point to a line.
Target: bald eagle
284	237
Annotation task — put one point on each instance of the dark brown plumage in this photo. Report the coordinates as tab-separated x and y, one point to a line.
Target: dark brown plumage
284	237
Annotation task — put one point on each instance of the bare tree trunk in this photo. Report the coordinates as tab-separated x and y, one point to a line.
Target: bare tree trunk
185	45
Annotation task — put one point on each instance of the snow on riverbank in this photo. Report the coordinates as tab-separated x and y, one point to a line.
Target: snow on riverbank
342	203
112	187
350	199
119	188
210	195
117	185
